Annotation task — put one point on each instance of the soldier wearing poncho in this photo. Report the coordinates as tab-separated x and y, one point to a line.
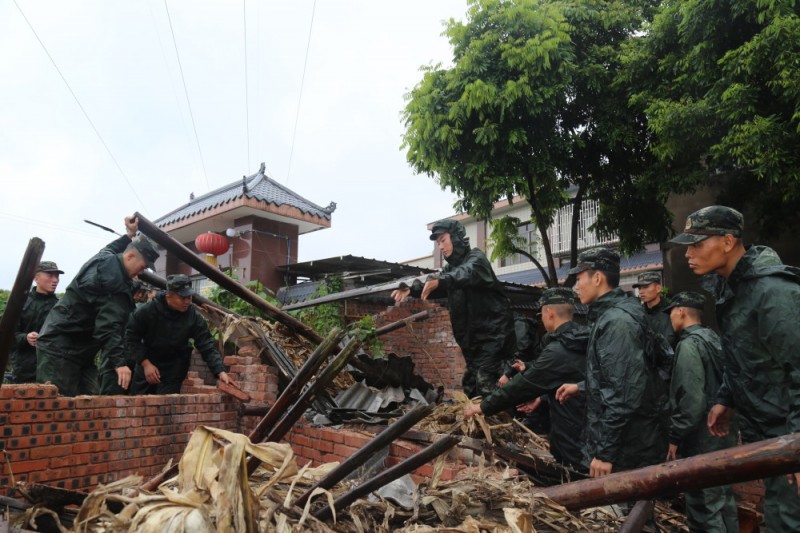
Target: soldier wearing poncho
562	360
696	377
480	312
759	316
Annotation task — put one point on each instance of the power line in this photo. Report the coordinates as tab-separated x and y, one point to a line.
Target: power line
300	97
246	93
85	114
186	92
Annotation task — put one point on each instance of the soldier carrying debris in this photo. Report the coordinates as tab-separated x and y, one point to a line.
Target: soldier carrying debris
158	335
696	377
480	312
40	301
562	360
759	315
91	317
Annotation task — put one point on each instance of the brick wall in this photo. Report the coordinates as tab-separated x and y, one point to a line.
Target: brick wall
430	342
76	443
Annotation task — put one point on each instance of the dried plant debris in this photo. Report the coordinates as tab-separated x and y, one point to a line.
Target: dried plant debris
213	492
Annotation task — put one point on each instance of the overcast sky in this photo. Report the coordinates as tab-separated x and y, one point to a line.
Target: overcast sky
119	59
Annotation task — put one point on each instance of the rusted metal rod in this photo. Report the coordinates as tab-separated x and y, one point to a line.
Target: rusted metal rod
187	256
387	476
763	459
254	410
383	330
294	413
18	297
382	440
638	517
291	392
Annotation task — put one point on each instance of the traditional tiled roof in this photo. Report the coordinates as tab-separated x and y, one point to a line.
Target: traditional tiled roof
635	262
259	187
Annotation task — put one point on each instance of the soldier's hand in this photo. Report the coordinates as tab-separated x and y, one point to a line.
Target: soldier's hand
225	378
151	373
519	365
473	409
32	337
599	468
124	377
719	418
529	407
567	391
400	294
502	381
430	286
794	479
672	452
131	226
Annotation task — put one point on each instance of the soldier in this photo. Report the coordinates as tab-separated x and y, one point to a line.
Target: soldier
622	412
654	303
159	335
562	360
696	377
40	301
759	316
91	317
480	312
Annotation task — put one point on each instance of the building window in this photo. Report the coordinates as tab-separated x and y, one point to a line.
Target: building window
562	224
528	233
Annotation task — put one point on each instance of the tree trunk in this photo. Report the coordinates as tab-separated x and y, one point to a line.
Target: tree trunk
541	224
577	203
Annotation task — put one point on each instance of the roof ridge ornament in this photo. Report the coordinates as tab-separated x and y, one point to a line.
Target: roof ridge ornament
244	185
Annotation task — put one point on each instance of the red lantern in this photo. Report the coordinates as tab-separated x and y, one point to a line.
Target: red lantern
211	243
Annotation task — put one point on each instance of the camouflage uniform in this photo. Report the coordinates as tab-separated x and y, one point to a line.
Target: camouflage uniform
34	312
622	410
480	312
91	316
696	378
562	360
759	316
162	335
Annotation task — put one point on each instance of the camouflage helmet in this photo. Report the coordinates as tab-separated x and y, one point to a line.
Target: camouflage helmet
148	250
710	221
556	296
48	266
695	300
180	284
646	278
599	258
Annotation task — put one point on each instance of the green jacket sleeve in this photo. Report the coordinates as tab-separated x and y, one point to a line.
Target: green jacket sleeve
116	246
205	344
622	383
109	327
134	334
687	392
475	271
539	377
779	329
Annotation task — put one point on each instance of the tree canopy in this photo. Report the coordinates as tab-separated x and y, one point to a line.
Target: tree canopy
531	107
720	84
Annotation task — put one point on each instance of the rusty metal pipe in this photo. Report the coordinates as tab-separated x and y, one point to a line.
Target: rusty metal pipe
763	459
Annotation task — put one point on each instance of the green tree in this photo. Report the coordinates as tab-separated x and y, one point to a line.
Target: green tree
530	107
720	83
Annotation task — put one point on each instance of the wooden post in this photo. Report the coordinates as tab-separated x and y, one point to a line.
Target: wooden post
187	256
18	297
638	517
766	458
